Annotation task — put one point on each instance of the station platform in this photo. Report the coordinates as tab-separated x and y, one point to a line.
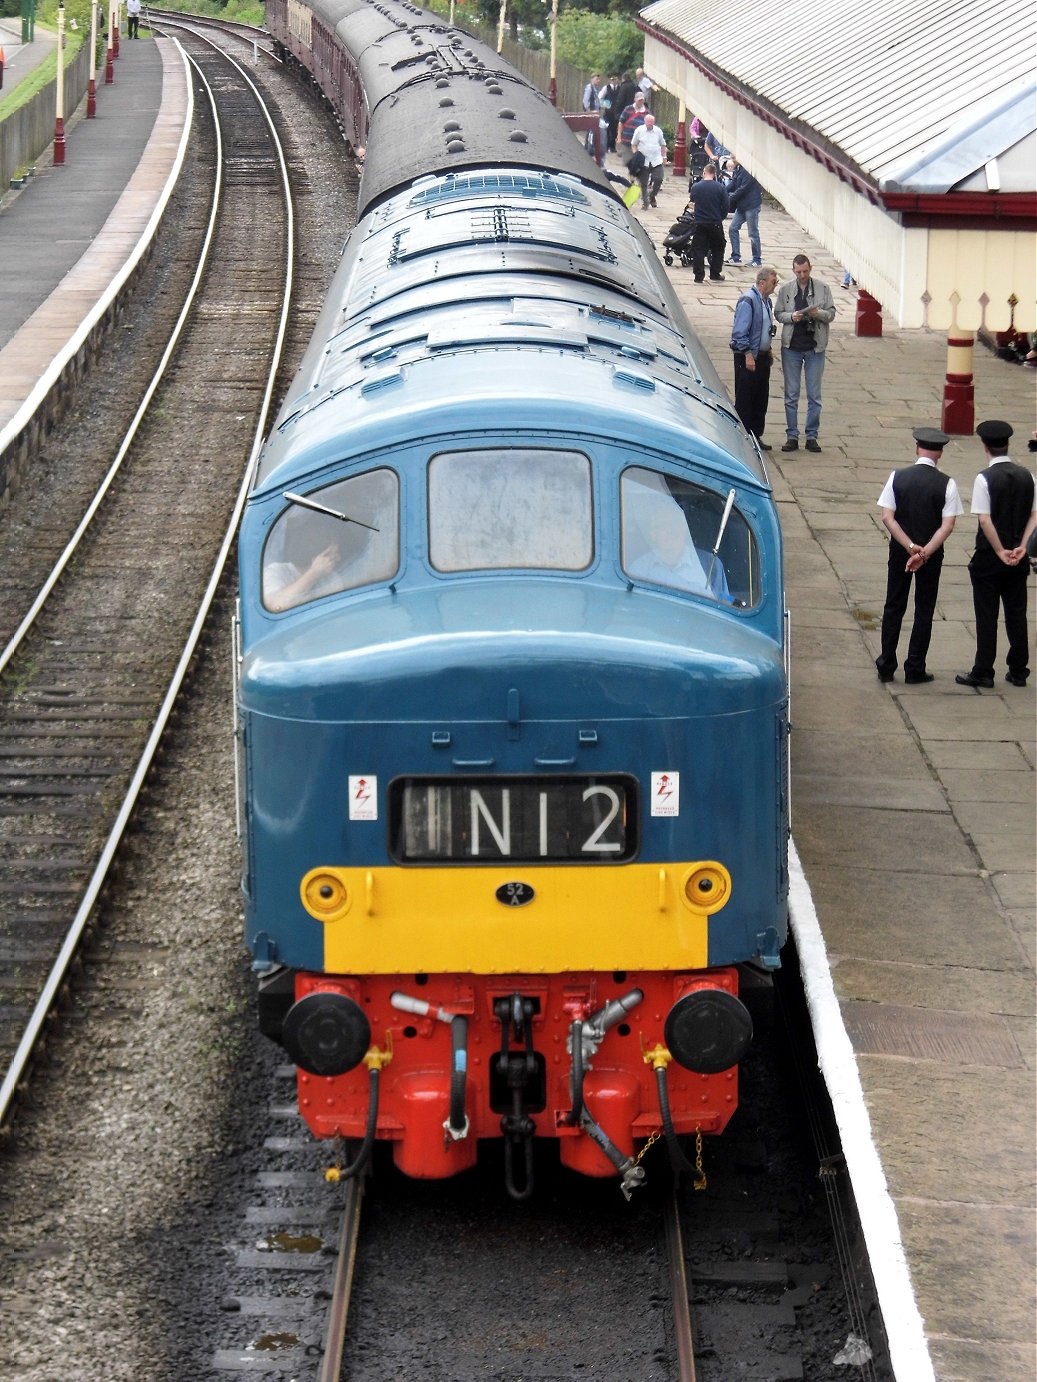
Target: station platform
22	58
915	860
74	234
913	818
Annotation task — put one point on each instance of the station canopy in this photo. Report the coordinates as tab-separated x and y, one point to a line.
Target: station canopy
928	108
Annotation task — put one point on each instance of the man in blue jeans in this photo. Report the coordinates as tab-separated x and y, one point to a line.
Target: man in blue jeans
804	307
745	197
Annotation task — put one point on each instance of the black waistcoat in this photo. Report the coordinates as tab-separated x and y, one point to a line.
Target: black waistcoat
920	492
1011	503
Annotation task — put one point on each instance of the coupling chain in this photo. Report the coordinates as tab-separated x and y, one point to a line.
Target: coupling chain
655	1136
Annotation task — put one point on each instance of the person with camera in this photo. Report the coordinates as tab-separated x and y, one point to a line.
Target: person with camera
805	308
751	335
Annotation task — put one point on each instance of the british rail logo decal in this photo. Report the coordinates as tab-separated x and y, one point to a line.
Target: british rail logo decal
666	794
363	798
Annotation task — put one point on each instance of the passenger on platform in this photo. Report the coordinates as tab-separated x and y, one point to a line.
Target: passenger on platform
609	95
631	117
597	139
1005	502
697	156
751	336
804	306
716	151
650	142
133	18
710	202
646	86
919	507
745	196
625	93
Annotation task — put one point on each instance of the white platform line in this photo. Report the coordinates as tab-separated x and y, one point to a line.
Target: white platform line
905	1331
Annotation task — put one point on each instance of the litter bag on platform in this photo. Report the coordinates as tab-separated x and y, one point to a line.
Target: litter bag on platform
632	193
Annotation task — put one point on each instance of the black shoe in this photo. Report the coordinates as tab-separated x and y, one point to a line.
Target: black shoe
970	679
812	444
718	278
1016	678
791	445
885	673
699	278
918	678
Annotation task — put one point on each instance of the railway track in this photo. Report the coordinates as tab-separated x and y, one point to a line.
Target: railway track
451	1281
90	674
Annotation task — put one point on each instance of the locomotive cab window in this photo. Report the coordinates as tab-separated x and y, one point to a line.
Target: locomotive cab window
510	508
670	530
332	539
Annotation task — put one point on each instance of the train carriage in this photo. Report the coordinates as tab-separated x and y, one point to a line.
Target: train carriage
511	682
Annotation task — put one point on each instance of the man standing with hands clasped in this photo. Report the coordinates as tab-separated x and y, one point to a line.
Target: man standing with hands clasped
751	335
1004	501
919	506
804	306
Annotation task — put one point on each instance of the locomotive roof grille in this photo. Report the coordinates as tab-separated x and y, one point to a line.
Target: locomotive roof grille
520	184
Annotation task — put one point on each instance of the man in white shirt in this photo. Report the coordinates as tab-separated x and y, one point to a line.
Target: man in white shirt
919	507
1004	500
650	142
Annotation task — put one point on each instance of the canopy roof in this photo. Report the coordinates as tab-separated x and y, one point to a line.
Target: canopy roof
922	96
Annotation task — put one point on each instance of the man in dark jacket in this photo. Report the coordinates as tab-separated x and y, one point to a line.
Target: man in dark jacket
919	507
625	93
745	197
609	98
710	201
1004	502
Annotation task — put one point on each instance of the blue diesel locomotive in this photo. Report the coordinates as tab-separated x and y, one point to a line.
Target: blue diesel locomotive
511	683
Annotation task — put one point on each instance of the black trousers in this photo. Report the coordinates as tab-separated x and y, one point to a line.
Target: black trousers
708	238
132	25
898	588
752	389
994	585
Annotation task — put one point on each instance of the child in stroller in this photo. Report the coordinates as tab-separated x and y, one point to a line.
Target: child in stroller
678	240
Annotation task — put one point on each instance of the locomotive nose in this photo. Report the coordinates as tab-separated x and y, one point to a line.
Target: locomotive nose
708	1031
326	1033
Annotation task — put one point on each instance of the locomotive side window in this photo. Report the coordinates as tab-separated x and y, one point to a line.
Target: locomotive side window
670	530
332	539
510	508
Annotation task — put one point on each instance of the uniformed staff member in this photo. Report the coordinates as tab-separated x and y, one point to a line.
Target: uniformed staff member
1005	502
919	507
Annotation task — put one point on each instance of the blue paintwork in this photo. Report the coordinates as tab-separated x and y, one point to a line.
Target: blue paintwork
464	317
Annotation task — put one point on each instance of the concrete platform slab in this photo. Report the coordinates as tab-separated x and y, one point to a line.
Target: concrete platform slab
916	918
964	990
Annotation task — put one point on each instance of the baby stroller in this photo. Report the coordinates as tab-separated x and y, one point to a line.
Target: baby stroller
678	240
